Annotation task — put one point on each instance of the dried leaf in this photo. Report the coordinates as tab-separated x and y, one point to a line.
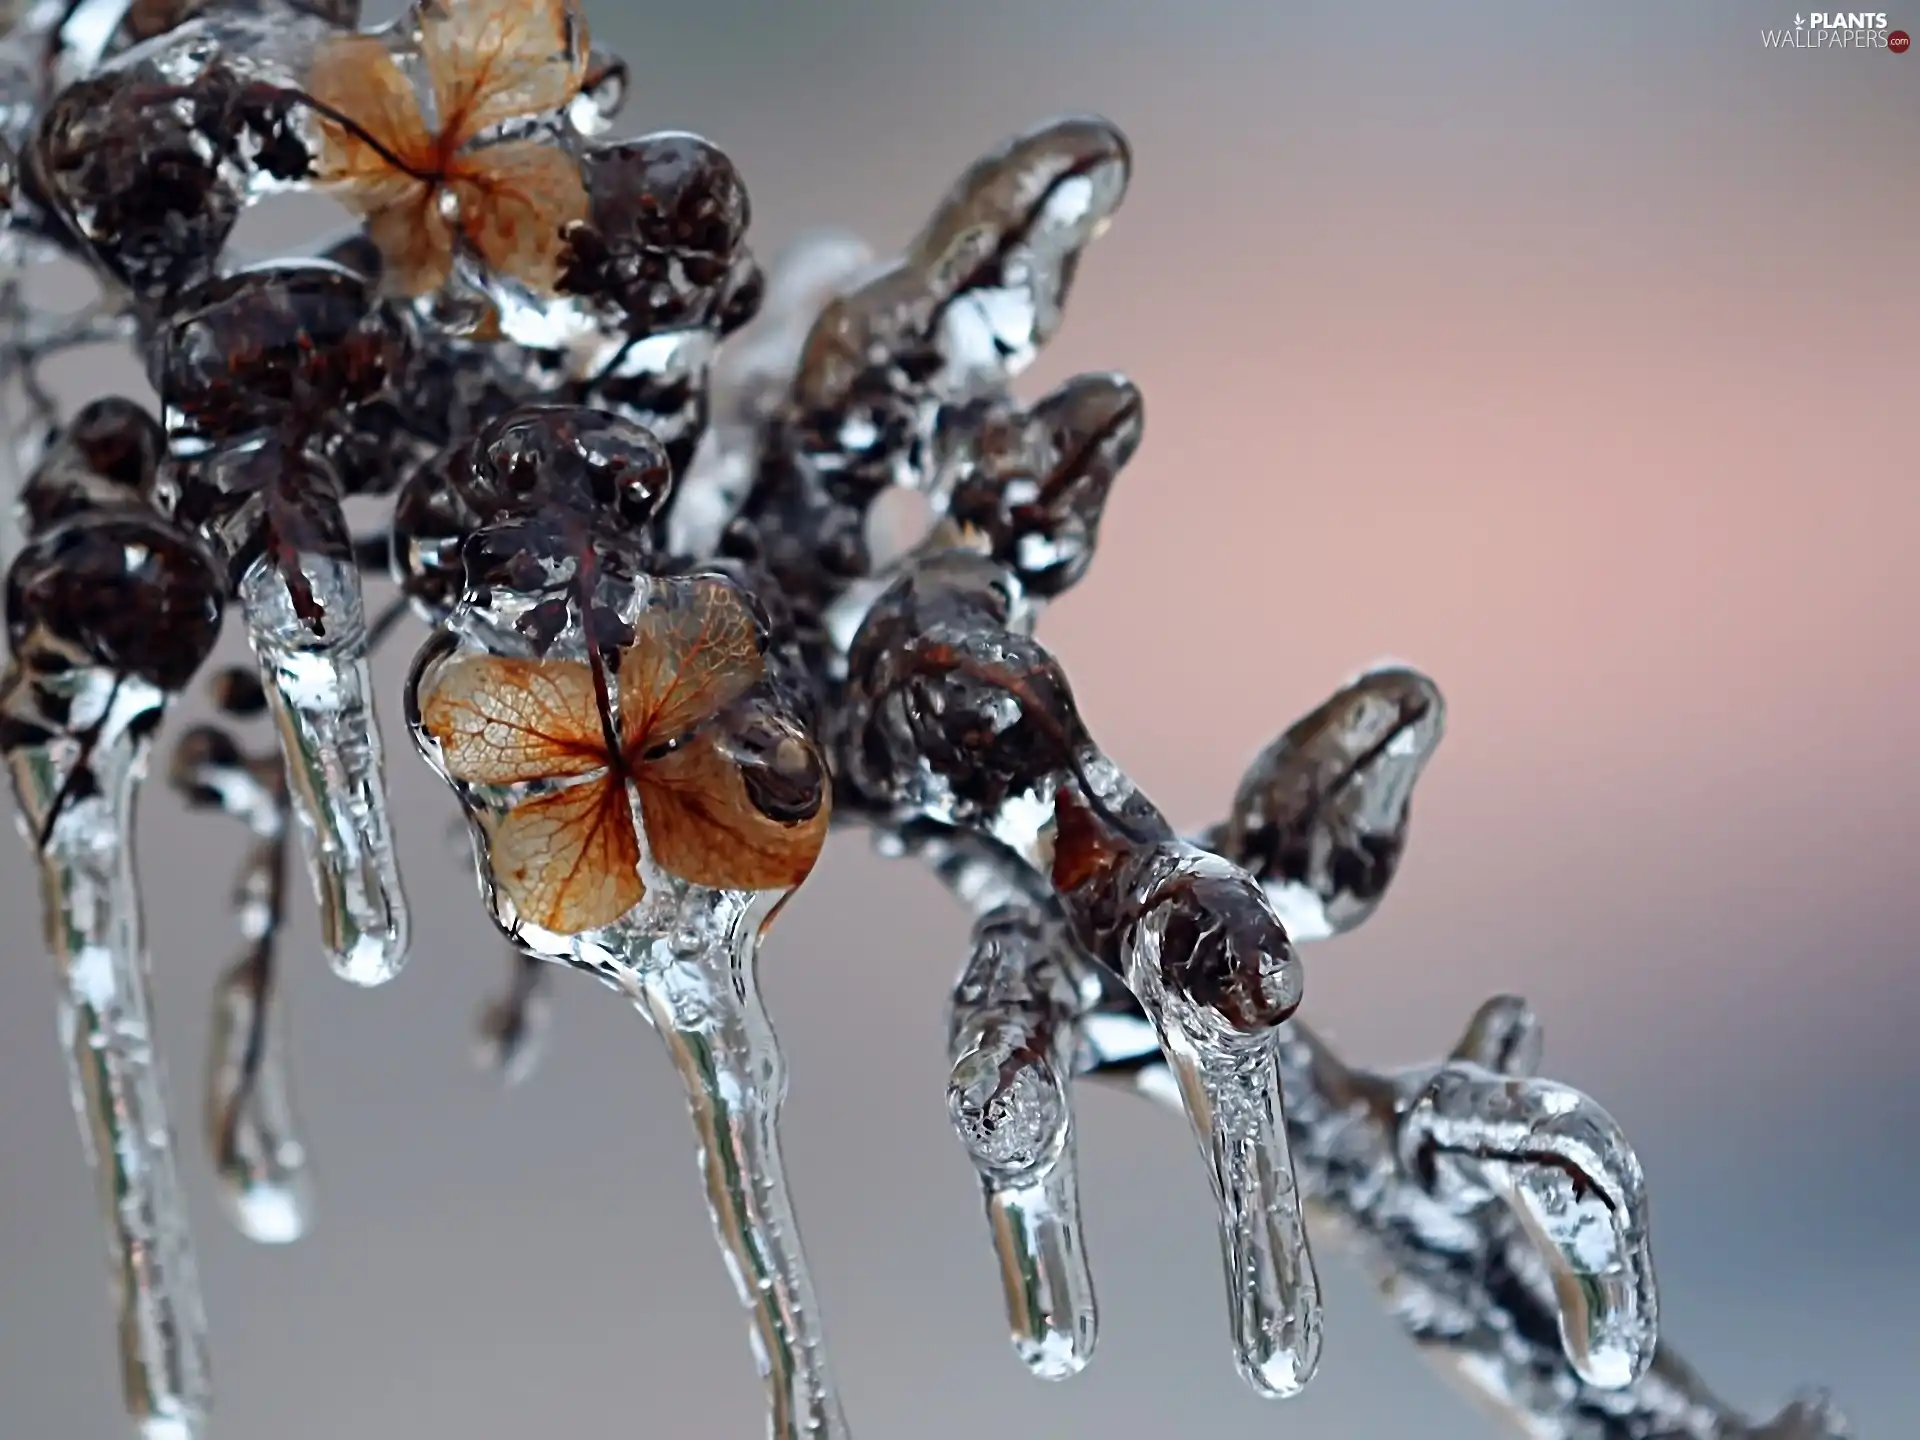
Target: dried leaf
516	202
696	652
570	860
503	721
495	60
702	826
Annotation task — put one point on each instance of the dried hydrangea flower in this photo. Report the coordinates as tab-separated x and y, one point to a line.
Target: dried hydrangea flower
427	185
569	858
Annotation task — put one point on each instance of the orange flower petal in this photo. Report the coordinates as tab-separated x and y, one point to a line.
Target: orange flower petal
702	826
356	76
502	721
696	651
569	861
495	60
516	202
415	243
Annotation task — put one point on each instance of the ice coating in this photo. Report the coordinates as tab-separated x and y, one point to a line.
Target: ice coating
252	1131
1573	1182
1535	1290
320	690
1472	1289
250	366
106	1022
697	987
151	157
108	612
642	788
1013	1049
957	718
1321	816
888	361
1213	969
954	717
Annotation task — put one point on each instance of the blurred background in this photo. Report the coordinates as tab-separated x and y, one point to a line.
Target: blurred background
1568	353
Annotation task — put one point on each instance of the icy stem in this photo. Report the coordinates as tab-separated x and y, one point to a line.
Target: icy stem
251	1127
750	377
700	992
513	1025
1563	1166
250	1123
1012	1046
319	685
94	929
1230	1085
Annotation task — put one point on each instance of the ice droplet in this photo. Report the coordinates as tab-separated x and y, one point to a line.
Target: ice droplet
1013	1043
320	688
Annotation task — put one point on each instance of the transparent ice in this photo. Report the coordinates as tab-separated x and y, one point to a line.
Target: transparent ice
94	929
686	957
251	1128
320	688
1014	1049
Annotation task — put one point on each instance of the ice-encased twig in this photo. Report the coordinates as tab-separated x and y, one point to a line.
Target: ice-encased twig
1476	1278
1012	1046
957	717
94	928
320	690
251	1128
699	990
1576	1188
1471	1289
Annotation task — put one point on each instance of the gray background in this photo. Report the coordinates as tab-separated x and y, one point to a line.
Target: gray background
1567	352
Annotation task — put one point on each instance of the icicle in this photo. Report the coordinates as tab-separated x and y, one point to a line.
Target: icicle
700	992
1230	1083
250	1123
319	686
1563	1166
93	924
1013	1044
257	369
109	610
251	1129
959	719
